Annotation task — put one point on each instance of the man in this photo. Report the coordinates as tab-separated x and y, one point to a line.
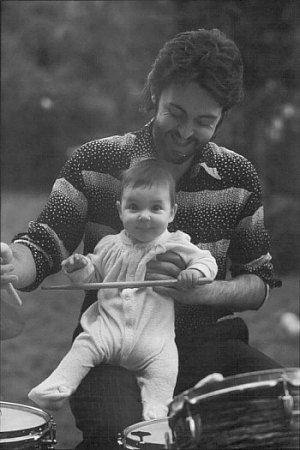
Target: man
195	79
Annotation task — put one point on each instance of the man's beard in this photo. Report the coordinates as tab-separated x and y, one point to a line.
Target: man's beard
164	150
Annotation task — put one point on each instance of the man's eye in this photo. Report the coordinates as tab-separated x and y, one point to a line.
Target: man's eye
175	114
132	207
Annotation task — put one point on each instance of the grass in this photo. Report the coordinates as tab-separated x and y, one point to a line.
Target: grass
50	319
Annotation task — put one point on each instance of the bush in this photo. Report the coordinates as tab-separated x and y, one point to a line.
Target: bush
282	221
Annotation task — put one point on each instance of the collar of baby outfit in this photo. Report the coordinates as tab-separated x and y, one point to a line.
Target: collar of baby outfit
160	240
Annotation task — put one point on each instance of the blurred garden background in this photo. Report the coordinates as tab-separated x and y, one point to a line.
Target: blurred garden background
73	71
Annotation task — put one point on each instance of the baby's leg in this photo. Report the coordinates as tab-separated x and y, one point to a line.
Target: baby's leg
157	382
54	390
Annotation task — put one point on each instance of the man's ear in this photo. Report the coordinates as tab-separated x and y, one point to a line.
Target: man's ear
153	97
219	124
173	213
118	205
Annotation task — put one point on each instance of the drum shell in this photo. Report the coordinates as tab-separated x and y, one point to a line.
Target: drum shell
250	415
39	435
27	445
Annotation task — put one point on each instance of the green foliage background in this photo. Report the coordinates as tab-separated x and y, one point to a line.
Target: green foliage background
73	71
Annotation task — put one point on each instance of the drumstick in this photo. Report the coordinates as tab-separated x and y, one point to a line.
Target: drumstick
117	284
13	293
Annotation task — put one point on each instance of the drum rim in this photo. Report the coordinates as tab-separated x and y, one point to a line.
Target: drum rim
5	436
278	370
209	388
223	387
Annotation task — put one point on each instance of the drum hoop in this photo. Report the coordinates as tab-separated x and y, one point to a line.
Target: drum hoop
260	379
239	388
5	436
235	379
279	371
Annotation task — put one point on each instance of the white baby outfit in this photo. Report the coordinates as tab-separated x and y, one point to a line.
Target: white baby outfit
133	328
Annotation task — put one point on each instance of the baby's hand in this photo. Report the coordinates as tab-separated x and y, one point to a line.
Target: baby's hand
74	262
189	278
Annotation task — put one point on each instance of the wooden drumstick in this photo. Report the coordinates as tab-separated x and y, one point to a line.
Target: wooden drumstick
13	293
117	284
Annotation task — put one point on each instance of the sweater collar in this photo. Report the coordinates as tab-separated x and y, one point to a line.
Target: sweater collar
205	157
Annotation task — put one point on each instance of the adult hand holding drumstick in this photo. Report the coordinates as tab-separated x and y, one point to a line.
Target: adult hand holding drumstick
168	266
8	277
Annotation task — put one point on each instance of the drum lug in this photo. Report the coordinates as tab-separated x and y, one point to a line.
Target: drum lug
49	444
48	441
287	401
168	444
120	440
194	429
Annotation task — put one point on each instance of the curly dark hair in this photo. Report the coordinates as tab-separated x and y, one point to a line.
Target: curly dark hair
206	57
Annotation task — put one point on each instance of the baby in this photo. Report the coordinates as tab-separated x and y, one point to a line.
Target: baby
133	328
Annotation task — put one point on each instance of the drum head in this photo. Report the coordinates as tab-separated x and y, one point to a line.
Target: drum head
20	420
152	433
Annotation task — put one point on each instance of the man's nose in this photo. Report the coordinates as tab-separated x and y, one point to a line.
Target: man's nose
186	130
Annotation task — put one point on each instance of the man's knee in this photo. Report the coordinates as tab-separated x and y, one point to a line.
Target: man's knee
106	402
249	359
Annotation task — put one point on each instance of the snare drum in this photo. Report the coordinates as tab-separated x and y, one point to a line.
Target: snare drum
247	411
150	435
25	427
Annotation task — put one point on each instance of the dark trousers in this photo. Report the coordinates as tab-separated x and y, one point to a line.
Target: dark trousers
108	399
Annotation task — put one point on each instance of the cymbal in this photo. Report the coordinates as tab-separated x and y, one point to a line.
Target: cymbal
11	322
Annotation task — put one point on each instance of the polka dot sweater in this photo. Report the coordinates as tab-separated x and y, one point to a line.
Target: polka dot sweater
219	206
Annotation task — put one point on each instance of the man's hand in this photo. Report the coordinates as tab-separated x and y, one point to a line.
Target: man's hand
170	265
189	278
7	266
166	266
74	262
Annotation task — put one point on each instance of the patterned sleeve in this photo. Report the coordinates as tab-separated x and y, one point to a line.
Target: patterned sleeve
59	228
250	244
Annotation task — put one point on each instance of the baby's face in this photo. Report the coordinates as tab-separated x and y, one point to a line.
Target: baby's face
146	211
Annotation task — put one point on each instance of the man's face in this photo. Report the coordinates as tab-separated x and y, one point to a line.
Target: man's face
146	211
186	119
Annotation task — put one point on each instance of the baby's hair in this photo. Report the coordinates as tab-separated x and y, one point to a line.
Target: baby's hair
147	173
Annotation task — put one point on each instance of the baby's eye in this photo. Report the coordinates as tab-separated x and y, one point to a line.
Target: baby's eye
132	207
157	208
